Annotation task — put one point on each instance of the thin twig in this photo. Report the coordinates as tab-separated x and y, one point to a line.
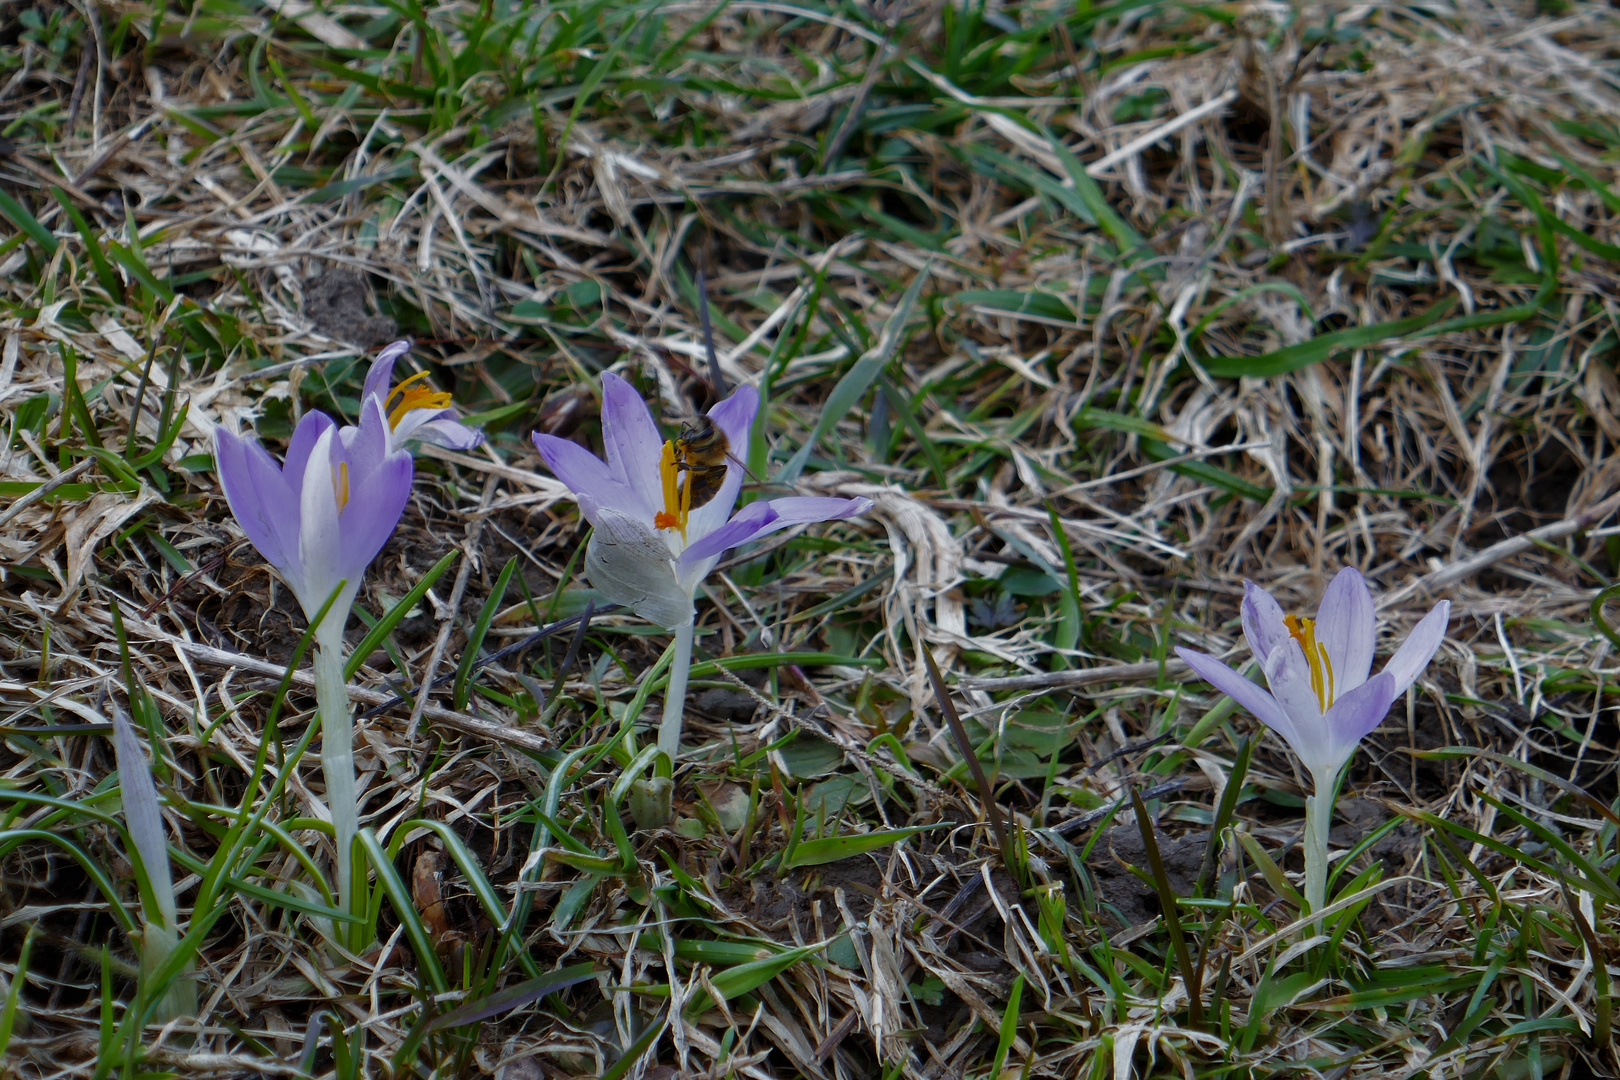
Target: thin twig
987	796
25	501
1449	575
470	546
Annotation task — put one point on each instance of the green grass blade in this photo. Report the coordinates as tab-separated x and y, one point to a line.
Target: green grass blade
514	997
8	1015
19	216
385	625
1322	346
98	258
832	848
399	897
1009	1025
857	380
475	639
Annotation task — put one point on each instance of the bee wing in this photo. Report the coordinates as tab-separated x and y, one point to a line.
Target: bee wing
631	565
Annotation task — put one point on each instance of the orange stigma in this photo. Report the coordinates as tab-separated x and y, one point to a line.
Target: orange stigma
414	397
677	496
340	484
1316	657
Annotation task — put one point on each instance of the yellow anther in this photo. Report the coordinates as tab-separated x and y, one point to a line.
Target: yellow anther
414	397
673	515
340	484
1316	657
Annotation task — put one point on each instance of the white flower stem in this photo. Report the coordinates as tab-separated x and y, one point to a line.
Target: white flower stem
337	762
1318	819
669	729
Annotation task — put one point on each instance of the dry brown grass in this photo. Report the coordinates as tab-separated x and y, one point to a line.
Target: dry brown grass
1124	352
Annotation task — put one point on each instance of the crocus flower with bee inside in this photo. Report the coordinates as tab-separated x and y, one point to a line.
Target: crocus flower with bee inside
662	512
1321	700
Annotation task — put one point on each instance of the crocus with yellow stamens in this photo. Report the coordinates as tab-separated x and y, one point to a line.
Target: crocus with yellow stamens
414	409
651	547
1321	700
320	519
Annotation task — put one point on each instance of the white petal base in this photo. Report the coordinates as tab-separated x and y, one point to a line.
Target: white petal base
630	564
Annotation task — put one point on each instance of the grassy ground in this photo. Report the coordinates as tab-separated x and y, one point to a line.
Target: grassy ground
1201	293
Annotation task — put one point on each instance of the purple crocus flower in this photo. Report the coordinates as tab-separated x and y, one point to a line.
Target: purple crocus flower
649	552
320	519
651	547
1321	700
323	516
419	412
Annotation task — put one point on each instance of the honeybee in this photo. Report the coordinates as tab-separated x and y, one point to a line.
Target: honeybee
701	452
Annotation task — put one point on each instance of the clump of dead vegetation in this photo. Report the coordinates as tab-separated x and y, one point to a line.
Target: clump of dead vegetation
1203	294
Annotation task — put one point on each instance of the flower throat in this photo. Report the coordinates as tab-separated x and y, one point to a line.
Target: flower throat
1316	657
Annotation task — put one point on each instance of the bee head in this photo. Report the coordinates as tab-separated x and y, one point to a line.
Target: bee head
696	430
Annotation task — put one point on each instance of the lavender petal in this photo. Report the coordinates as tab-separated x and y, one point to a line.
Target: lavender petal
365	447
439	427
1254	698
752	520
1263	623
376	501
1353	717
1347	625
750	523
584	472
380	377
1419	648
632	441
260	499
309	431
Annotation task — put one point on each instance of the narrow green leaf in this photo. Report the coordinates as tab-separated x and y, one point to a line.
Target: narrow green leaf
28	223
1168	907
8	1015
131	261
745	977
723	953
405	909
857	380
832	848
637	1050
1009	1026
385	625
98	258
475	639
766	660
1293	357
1090	194
1041	305
1270	870
339	188
1223	813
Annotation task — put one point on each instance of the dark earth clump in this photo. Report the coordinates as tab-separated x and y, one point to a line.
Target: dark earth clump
336	302
1123	897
